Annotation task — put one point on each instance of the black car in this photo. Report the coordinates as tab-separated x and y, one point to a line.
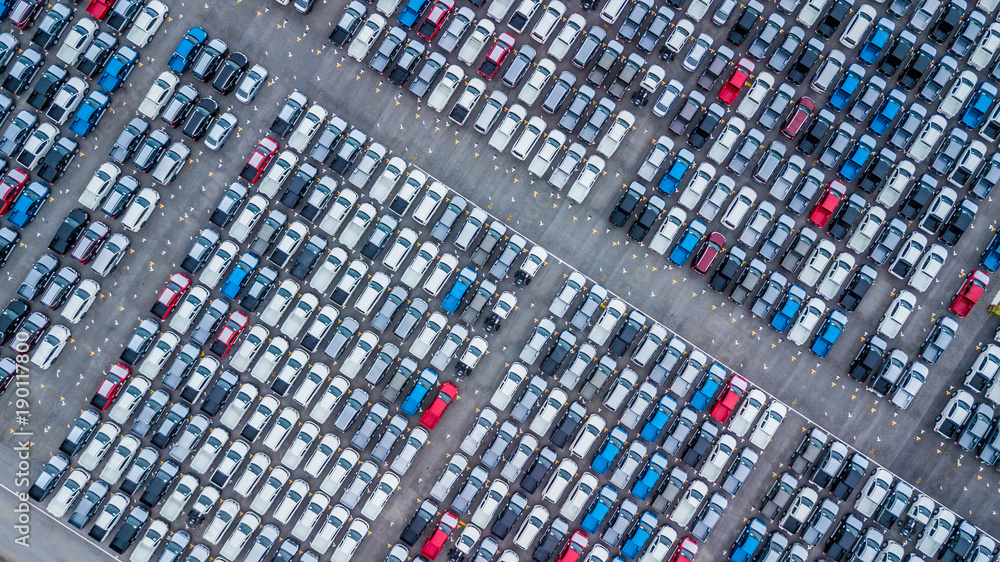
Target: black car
328	139
557	353
90	502
46	87
917	67
748	18
706	127
210	59
128	140
508	517
59	289
539	470
129	530
349	151
698	447
403	69
289	114
308	257
80	432
647	216
877	171
151	150
867	359
11	318
123	14
630	199
9	239
896	54
201	118
834	16
841	543
857	288
958	222
69	231
814	135
567	425
23	71
805	62
574	111
300	183
920	195
850	476
97	54
847	216
210	322
260	287
140	341
416	525
946	22
232	201
728	269
549	544
627	333
230	73
50	475
60	156
220	392
52	26
180	105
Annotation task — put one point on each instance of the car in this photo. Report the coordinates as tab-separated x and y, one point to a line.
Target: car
435	543
970	293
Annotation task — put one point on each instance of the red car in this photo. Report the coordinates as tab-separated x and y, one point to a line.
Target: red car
574	548
440	535
798	117
686	550
23	13
112	384
100	8
11	187
436	18
229	333
709	251
90	242
731	89
29	333
727	402
171	295
498	53
261	157
827	204
433	413
970	293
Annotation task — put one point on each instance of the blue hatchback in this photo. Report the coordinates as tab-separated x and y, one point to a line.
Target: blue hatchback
605	457
749	541
425	382
788	308
891	108
118	69
658	418
828	334
599	509
682	251
709	385
466	278
26	207
240	275
877	40
640	535
848	87
412	12
89	113
675	173
186	51
647	480
979	106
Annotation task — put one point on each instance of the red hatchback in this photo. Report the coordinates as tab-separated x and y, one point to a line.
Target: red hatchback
90	242
709	251
727	402
100	8
798	117
434	412
259	160
827	204
11	187
686	550
970	293
574	548
229	333
171	295
435	18
498	53
112	384
435	543
24	12
731	89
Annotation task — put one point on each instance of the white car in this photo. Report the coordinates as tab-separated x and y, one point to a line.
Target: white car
930	134
724	144
928	268
78	39
332	524
495	495
738	209
564	40
533	130
439	276
587	435
252	473
755	96
696	186
140	209
384	489
959	93
359	354
161	91
428	334
475	42
562	475
377	286
605	325
224	517
442	487
668	230
768	424
120	458
147	23
429	203
223	256
329	399
328	269
806	321
363	41
414	272
688	505
283	167
248	217
874	491
868	226
300	444
343	466
897	314
592	169
531	527
328	445
508	386
612	9
536	81
251	83
81	300
291	501
99	445
616	133
749	409
338	211
388	179
542	420
307	127
986	50
835	276
445	88
158	355
817	262
171	163
178	499
99	186
150	541
579	497
279	303
810	12
310	384
546	24
718	457
239	406
128	400
857	29
356	532
273	485
237	541
310	516
411	446
508	126
287	418
300	314
249	348
50	346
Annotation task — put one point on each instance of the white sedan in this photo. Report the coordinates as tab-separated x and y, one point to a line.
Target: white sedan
147	23
894	318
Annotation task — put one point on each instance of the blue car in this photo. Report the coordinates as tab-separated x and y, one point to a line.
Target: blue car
599	509
26	207
749	541
658	418
675	173
118	69
891	108
187	50
709	385
640	534
411	12
240	275
828	334
650	476
858	158
425	382
89	113
991	257
848	86
682	251
5	6
878	38
788	308
605	457
980	105
466	278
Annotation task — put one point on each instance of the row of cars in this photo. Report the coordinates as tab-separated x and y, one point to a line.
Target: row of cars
970	423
